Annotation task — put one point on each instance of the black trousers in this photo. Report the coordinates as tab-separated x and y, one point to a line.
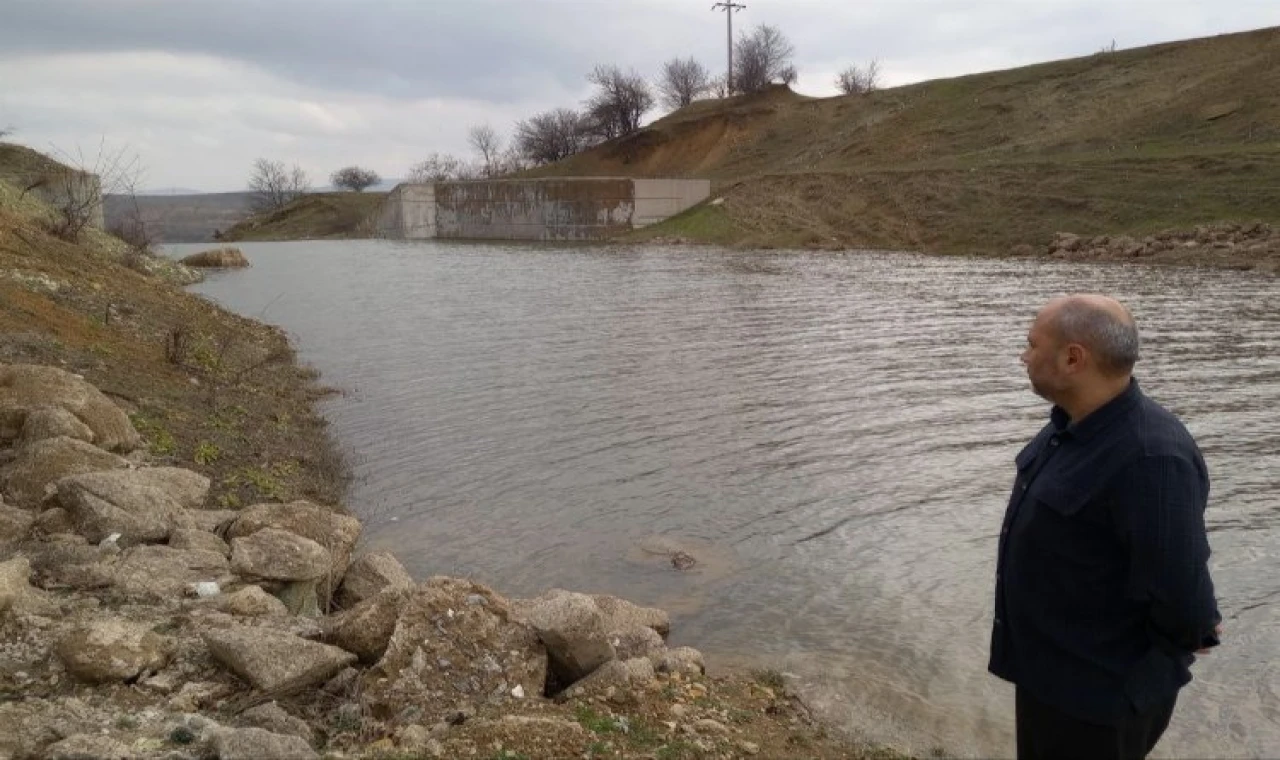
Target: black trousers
1047	733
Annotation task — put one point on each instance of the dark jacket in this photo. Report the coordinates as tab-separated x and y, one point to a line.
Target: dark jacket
1102	584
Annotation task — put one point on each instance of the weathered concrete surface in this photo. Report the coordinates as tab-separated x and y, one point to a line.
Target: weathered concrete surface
578	208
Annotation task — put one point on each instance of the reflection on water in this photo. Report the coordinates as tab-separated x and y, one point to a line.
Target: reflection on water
833	434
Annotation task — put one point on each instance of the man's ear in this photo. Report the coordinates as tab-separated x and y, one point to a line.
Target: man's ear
1075	354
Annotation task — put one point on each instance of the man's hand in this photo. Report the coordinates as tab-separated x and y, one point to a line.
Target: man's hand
1217	631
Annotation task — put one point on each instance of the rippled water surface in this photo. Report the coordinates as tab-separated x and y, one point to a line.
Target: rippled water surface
830	436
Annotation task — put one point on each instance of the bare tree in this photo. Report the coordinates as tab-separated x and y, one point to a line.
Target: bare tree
354	178
621	99
485	141
76	185
859	81
441	167
763	58
682	81
552	135
274	185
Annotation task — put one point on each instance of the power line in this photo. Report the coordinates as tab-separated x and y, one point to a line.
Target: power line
728	6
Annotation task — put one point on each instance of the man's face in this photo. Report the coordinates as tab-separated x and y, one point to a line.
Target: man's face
1042	358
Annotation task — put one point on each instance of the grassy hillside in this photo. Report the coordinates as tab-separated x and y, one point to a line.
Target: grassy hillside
1130	141
314	216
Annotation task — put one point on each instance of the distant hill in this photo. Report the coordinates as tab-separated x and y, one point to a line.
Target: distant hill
314	216
1130	141
182	218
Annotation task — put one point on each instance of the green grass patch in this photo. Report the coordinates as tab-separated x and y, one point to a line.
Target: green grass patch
703	224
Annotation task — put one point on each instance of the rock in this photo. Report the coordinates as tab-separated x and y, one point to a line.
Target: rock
370	574
45	422
685	660
163	572
336	532
278	555
250	601
88	747
27	387
214	521
366	629
638	641
55	520
279	663
418	740
28	479
14	577
301	598
573	630
444	649
615	674
111	649
257	744
749	748
272	717
15	524
141	505
619	614
187	538
68	560
217	258
1065	241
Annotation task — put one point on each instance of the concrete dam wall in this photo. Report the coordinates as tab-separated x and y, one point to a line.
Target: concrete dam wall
579	208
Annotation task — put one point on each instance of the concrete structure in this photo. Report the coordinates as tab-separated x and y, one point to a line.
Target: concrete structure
577	208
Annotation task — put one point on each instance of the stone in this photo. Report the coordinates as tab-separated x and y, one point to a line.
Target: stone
336	532
88	747
140	505
217	258
278	555
572	628
55	520
52	422
301	598
279	663
214	521
250	601
14	577
15	524
257	744
370	574
615	674
638	641
619	614
189	538
163	572
683	660
30	477
444	649
272	717
365	629
113	650
709	726
28	387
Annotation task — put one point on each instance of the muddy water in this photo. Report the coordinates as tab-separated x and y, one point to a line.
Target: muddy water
829	436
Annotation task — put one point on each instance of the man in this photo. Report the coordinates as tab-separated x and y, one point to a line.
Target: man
1103	593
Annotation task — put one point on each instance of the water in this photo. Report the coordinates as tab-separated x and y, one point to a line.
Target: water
830	436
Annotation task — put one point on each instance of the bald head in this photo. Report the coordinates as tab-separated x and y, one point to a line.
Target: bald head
1101	324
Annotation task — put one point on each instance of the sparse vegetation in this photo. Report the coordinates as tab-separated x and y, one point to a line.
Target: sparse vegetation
354	178
683	80
859	80
275	185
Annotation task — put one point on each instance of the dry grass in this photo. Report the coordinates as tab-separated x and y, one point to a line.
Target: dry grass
315	216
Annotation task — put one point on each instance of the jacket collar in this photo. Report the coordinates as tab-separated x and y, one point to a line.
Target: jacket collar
1101	417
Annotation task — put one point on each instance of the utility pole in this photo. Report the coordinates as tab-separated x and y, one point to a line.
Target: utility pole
728	6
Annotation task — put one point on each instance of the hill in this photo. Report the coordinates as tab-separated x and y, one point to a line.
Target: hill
1132	141
193	218
315	216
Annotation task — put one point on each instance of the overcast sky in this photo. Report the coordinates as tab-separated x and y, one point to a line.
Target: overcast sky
200	88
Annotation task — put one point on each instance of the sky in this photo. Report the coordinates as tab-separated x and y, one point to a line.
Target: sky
199	89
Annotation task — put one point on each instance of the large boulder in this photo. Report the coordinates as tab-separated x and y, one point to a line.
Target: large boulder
615	675
140	505
279	555
45	422
30	477
455	640
14	577
368	575
280	663
163	572
217	258
638	641
113	650
250	601
573	630
619	614
684	660
190	538
336	532
27	387
15	524
366	628
209	520
258	744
